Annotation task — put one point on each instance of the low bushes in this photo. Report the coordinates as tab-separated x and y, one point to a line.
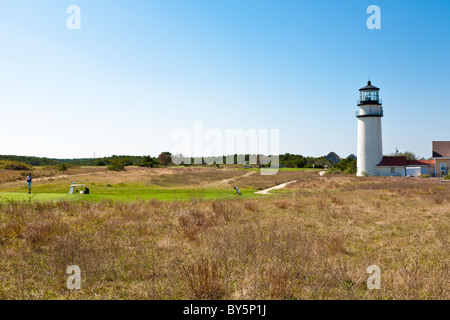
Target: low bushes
347	166
118	164
14	165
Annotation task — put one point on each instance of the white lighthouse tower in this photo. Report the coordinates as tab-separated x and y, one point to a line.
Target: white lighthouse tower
370	148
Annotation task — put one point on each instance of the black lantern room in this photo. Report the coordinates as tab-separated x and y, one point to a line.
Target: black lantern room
369	95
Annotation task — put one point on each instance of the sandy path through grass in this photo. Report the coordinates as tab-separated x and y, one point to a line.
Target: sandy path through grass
231	179
280	186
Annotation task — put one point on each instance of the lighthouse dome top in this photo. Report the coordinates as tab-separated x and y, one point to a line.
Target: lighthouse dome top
369	87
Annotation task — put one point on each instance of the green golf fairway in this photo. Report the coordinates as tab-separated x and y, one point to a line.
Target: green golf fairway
131	194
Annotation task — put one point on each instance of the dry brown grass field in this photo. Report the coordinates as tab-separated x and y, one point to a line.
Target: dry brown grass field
311	240
43	173
163	177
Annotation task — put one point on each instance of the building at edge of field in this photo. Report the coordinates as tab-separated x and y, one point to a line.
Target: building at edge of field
399	166
370	159
441	156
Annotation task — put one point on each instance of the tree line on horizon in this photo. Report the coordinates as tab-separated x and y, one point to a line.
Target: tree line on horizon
165	159
120	162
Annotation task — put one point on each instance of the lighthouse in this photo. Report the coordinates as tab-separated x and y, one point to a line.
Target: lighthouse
370	148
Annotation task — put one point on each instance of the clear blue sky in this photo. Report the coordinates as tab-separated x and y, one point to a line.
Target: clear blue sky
138	70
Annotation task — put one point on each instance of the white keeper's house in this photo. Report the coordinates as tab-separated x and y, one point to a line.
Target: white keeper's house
399	166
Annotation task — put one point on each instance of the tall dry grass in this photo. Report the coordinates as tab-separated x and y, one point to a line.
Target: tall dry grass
315	242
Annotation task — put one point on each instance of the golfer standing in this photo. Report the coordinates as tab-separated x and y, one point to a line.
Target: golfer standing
29	183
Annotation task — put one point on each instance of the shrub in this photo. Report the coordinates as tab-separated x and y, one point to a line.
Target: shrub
14	165
350	170
225	210
149	162
281	204
118	164
334	170
424	175
447	177
63	166
193	221
252	206
347	166
165	158
204	279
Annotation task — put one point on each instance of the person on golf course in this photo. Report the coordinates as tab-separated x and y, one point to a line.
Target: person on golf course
238	191
29	182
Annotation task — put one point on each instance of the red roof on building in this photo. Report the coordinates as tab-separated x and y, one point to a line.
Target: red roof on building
420	162
400	161
392	162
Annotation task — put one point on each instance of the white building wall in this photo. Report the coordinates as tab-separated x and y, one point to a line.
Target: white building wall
386	171
400	171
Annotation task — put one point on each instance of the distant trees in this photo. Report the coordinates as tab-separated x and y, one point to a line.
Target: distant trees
285	160
32	161
149	162
293	160
165	158
125	160
118	164
100	163
347	166
408	154
115	161
298	161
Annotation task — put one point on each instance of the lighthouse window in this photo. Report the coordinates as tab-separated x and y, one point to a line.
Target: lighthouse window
369	96
443	167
